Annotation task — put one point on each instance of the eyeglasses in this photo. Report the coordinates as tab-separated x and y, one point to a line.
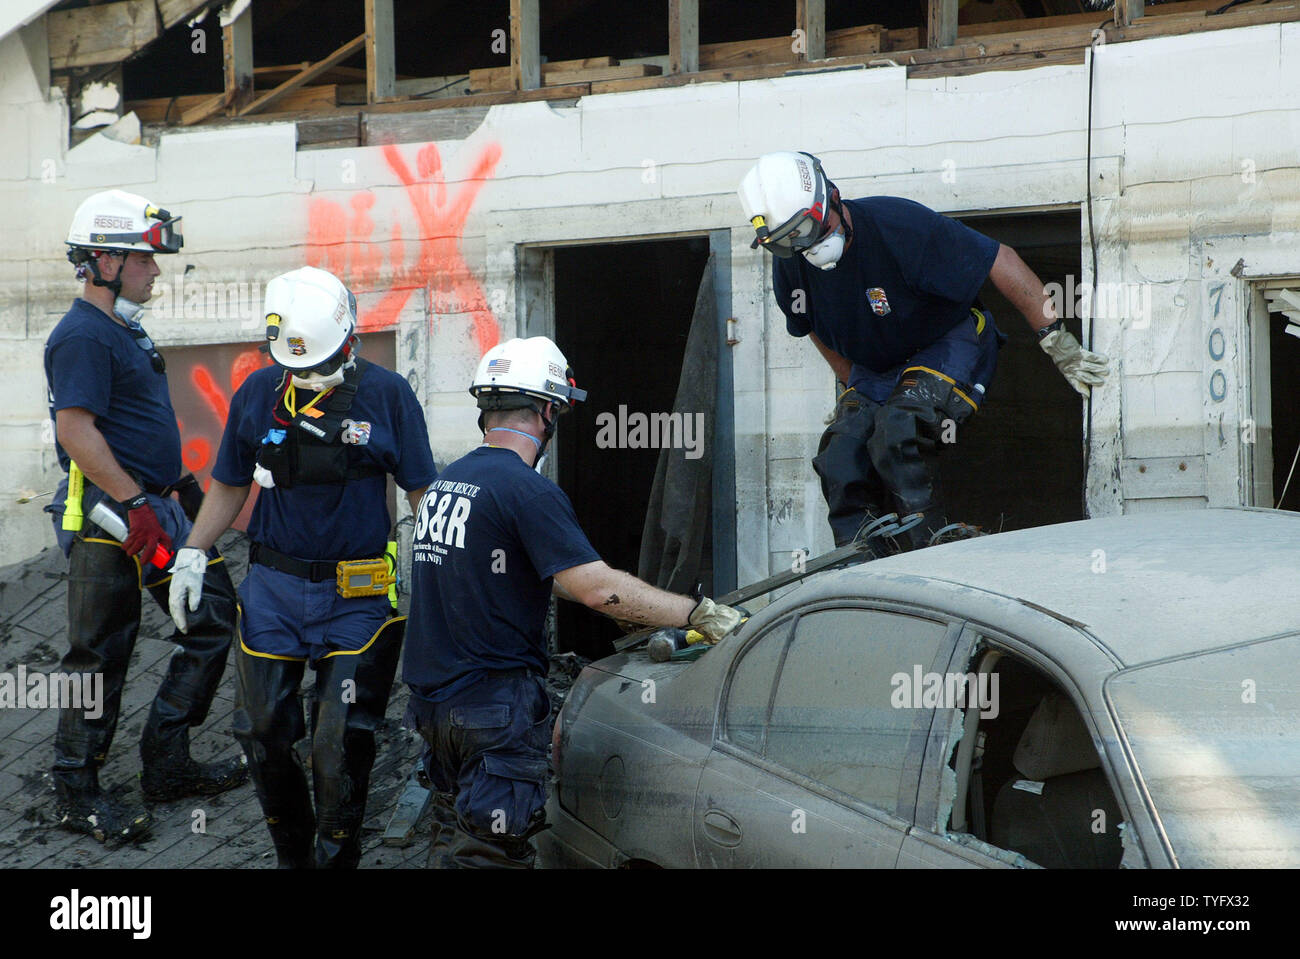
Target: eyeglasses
142	340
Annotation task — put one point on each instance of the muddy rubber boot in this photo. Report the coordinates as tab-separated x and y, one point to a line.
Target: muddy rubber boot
351	697
851	485
83	807
268	720
904	454
185	697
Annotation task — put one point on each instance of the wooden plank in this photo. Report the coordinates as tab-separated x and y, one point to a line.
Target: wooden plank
742	53
381	64
754	71
683	36
908	38
170	109
108	33
1191	23
201	111
270	76
1094	19
342	53
411	806
320	132
845	43
596	74
237	61
525	52
173	12
424	127
810	21
1014	61
1127	12
941	24
497	79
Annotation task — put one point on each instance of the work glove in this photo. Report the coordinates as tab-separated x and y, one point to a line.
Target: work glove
1082	368
145	534
187	584
190	495
712	620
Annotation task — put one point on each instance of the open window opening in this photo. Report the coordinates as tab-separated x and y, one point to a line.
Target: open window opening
1274	431
1029	778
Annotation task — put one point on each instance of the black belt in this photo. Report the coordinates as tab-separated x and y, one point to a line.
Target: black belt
318	571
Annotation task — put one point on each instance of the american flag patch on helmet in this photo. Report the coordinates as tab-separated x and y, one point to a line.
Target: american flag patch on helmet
498	366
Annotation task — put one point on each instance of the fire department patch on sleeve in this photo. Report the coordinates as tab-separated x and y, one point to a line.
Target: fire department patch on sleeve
879	302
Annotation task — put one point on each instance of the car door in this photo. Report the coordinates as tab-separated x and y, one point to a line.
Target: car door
816	757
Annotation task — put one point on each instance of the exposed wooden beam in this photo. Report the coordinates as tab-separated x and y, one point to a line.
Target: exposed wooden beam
201	111
810	18
1127	11
349	49
381	66
173	12
237	60
108	33
941	24
525	49
683	36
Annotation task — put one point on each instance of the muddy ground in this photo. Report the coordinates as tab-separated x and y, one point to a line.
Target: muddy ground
33	627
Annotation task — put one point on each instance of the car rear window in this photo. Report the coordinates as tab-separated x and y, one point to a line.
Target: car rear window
1216	737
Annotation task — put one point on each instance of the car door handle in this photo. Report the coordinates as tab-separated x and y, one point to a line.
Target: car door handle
721	828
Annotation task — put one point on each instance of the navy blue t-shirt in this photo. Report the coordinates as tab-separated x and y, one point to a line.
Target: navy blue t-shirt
490	535
93	362
329	521
908	278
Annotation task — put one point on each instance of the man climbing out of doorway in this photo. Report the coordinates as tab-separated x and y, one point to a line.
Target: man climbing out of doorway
887	290
493	539
319	432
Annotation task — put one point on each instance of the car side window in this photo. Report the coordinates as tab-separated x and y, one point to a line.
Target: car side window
835	716
751	689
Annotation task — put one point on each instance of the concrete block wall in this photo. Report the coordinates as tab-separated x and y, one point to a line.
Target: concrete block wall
428	234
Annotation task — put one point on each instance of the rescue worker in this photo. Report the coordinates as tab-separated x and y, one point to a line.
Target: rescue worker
118	442
319	432
887	290
493	538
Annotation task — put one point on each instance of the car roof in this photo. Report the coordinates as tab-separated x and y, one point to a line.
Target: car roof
1173	582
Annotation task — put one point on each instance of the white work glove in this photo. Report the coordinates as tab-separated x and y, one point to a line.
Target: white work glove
712	620
187	584
1081	368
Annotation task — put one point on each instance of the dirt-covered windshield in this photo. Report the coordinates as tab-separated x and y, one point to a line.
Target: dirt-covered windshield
1217	741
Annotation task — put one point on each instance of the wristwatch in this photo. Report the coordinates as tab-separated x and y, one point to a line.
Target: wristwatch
1051	328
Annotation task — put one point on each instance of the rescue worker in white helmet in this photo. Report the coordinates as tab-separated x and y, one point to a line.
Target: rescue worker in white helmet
319	432
887	289
118	441
493	539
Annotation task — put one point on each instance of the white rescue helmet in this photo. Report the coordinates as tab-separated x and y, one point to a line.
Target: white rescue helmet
310	319
512	372
121	222
786	197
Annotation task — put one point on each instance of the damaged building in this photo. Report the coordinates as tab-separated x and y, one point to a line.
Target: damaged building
569	168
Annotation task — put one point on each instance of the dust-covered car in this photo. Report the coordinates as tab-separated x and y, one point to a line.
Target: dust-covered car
1119	691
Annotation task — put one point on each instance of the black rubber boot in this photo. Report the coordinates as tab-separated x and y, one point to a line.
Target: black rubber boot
185	697
268	720
851	486
103	620
903	451
352	692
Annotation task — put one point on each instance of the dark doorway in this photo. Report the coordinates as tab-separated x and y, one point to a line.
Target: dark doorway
1019	461
1284	374
622	315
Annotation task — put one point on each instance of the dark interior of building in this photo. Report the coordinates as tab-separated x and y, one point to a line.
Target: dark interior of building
622	314
1284	374
1019	461
446	38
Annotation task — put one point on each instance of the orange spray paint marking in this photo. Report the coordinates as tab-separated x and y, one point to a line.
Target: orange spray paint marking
196	453
344	247
245	365
208	389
